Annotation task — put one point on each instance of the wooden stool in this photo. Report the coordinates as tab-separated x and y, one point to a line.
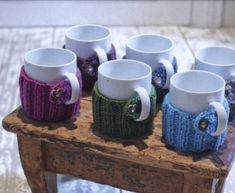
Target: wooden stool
141	165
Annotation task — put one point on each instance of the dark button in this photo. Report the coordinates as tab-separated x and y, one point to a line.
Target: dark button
132	108
203	124
157	80
89	69
56	93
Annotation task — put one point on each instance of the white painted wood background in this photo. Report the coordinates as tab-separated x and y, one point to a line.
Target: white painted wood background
197	13
14	42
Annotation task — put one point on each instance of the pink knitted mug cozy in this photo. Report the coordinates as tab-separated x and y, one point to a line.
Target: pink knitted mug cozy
47	101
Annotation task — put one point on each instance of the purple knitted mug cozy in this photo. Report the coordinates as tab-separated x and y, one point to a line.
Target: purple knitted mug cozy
89	68
46	102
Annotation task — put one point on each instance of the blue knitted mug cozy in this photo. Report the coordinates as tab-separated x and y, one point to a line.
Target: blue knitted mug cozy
189	132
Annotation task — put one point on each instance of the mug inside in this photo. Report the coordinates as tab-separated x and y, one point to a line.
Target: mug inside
216	55
87	32
150	43
124	70
49	57
197	81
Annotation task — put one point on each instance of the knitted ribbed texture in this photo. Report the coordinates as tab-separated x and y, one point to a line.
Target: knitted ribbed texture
89	68
184	131
115	118
38	100
159	79
230	96
161	93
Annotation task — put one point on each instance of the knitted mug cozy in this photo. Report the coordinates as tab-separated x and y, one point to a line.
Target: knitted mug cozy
46	102
116	118
159	80
189	132
230	96
89	68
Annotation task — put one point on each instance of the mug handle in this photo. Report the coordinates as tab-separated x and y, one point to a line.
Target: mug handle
169	72
102	56
145	103
75	87
232	77
222	118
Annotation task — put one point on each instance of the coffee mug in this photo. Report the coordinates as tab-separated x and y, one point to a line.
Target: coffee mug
156	51
123	99
50	65
87	40
195	112
123	79
219	60
196	91
92	45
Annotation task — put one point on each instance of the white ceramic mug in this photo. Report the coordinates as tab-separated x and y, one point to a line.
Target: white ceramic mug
154	50
219	60
196	91
86	40
49	65
123	79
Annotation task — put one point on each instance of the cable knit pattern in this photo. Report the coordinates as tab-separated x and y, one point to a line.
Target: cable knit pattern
191	132
159	79
116	118
89	68
46	102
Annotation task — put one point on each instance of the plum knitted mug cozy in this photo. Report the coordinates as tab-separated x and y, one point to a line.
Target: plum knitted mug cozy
92	45
89	68
117	118
190	132
47	101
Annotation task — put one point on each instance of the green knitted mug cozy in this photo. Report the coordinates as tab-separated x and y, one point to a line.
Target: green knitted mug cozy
116	118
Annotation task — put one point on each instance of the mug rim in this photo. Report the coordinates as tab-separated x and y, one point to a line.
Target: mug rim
49	66
88	40
210	63
149	35
123	79
201	72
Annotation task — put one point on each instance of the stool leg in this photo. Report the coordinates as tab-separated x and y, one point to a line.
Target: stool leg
194	184
31	155
219	186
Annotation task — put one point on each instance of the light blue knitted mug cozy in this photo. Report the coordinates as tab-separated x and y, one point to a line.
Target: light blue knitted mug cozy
189	132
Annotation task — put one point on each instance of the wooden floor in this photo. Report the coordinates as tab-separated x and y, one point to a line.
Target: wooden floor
14	42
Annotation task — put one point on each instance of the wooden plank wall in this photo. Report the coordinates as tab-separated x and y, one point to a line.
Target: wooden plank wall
196	13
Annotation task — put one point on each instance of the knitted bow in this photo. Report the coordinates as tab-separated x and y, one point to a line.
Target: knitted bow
133	108
159	75
89	68
61	92
206	122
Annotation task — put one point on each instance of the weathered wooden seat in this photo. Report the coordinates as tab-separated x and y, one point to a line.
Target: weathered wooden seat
140	165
